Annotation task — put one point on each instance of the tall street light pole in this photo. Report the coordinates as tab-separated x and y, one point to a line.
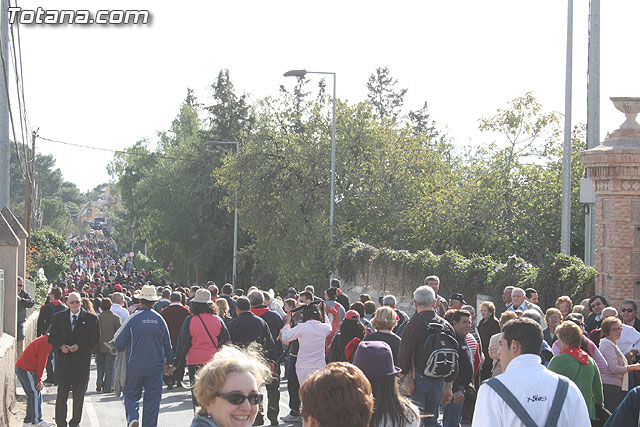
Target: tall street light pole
235	218
593	119
565	229
302	73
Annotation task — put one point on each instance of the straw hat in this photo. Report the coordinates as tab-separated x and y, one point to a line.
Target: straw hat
147	292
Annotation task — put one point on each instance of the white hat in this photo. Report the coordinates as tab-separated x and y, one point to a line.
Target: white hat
203	296
147	292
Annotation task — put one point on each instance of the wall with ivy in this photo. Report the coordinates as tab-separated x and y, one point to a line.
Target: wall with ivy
399	272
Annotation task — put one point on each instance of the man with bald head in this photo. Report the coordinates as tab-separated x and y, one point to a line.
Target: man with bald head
74	334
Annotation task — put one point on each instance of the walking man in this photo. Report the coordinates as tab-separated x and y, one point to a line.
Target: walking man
74	334
145	337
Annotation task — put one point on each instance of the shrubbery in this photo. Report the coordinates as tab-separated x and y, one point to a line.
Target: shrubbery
49	251
557	275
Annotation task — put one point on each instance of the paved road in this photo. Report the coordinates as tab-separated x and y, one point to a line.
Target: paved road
107	410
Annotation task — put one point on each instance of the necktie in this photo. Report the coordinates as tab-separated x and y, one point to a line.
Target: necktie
73	322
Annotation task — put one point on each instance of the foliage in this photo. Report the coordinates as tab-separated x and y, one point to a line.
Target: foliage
172	201
42	287
384	97
50	252
563	275
399	184
557	275
58	204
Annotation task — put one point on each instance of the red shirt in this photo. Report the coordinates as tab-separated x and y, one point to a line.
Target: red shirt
34	357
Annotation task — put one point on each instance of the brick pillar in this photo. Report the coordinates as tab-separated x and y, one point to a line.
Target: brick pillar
614	167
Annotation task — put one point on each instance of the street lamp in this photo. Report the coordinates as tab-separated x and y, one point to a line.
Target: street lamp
235	217
302	73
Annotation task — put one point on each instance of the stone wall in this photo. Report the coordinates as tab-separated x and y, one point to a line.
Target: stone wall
7	376
382	278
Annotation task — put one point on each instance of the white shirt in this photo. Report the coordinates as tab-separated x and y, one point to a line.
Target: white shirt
120	311
534	386
312	336
629	339
71	314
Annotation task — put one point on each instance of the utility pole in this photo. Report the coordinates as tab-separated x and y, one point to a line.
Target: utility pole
593	120
5	152
565	228
29	180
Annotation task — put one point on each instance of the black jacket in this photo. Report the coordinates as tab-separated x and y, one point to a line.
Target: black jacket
465	367
74	367
275	323
343	299
247	328
47	316
23	305
591	323
413	338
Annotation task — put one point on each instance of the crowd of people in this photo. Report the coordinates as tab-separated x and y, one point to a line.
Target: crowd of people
359	363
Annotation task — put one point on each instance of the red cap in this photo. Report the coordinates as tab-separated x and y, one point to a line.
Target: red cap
117	288
352	314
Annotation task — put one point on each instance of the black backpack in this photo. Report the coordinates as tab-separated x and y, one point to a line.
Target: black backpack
441	351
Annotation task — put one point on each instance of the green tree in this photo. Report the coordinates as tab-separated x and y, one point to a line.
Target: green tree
387	101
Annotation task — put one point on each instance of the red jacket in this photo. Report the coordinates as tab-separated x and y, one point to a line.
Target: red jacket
34	357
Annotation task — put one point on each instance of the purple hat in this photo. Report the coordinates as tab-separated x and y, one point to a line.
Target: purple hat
375	360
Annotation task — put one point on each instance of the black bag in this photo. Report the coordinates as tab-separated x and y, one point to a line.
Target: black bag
441	352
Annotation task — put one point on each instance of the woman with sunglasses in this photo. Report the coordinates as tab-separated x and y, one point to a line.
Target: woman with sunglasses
227	388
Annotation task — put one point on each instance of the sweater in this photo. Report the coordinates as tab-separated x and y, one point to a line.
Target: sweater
34	357
617	363
586	377
174	314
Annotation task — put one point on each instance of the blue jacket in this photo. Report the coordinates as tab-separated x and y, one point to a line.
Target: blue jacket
202	421
146	337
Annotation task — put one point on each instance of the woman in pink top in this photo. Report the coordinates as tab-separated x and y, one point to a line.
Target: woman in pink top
201	335
615	379
312	335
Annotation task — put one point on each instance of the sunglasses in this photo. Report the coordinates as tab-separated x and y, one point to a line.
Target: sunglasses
237	398
627	310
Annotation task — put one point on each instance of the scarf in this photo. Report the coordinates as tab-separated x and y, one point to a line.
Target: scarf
579	354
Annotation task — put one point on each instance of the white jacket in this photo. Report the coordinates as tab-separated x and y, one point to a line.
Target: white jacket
534	386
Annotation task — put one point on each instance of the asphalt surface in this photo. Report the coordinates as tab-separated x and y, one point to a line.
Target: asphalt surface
107	410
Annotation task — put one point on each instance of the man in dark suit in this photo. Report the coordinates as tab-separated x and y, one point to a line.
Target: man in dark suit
74	335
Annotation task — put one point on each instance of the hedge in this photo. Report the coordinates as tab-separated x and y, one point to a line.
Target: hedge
557	275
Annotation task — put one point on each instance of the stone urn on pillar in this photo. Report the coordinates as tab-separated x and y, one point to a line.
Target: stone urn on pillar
614	168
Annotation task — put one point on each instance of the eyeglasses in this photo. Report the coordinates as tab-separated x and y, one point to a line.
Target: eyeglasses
595	304
615	329
627	310
73	302
237	398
